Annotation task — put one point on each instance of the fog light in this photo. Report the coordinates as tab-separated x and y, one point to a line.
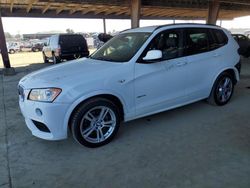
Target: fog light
39	112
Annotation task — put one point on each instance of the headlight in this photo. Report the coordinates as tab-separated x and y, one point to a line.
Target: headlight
44	95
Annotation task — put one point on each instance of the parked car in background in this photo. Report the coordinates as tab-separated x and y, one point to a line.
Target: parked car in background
244	43
38	46
26	46
137	73
65	47
247	34
13	48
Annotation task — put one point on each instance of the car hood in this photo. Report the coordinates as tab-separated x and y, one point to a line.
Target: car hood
69	73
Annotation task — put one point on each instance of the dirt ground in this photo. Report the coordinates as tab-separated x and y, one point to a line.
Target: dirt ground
21	59
195	146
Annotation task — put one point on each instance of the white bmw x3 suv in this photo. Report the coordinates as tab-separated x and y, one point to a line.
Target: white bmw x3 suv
137	73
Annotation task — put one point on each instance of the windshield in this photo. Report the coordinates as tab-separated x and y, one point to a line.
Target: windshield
121	48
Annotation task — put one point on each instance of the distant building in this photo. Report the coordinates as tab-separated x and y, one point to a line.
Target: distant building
37	36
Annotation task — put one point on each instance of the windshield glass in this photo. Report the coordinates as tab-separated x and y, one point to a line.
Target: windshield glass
121	48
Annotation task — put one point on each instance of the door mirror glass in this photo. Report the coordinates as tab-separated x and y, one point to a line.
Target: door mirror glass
153	55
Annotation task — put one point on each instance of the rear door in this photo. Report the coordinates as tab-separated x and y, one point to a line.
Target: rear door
201	62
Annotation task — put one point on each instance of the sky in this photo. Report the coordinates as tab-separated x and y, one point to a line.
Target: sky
34	25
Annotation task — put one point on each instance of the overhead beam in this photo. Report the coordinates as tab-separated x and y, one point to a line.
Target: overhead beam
235	2
75	9
46	8
61	8
110	14
213	11
85	11
11	5
31	2
135	13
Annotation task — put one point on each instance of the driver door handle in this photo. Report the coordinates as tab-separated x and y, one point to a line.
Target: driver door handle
179	64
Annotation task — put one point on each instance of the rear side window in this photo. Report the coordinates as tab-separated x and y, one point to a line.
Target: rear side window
197	41
219	38
73	41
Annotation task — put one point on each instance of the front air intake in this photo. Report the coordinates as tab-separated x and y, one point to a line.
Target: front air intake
42	127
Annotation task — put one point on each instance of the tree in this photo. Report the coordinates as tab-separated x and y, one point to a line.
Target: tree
7	35
18	36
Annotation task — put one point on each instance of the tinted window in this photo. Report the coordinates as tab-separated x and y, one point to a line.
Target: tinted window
72	41
197	41
169	42
219	38
242	37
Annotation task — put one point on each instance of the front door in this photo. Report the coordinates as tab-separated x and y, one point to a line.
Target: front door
161	85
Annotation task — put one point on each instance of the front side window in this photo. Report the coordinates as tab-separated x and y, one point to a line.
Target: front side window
197	41
121	48
169	42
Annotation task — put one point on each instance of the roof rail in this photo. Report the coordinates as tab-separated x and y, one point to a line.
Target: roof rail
184	24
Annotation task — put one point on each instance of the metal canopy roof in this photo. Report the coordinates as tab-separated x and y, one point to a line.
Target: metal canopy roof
161	9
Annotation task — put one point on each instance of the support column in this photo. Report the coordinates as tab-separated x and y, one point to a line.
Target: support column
213	11
135	13
104	25
4	52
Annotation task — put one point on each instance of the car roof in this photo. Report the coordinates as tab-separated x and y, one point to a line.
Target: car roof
151	29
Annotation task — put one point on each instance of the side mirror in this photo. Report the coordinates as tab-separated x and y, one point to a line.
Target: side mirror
45	44
153	55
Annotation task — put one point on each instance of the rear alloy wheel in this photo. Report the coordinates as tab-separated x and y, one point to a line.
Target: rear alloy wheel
95	123
222	90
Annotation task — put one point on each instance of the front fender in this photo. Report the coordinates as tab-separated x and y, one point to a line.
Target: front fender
87	96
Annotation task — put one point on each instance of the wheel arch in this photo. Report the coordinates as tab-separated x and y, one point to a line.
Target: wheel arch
114	98
232	71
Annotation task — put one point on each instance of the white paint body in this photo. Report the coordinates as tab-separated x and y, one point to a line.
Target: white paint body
143	89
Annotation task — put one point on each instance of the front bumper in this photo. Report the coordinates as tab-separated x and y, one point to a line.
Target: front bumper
50	114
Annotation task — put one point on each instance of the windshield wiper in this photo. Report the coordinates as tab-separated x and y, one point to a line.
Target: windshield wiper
103	58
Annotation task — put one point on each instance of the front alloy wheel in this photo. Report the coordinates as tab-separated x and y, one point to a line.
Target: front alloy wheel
95	123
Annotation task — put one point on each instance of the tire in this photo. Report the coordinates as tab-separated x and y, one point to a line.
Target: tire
222	90
12	51
56	60
77	56
89	129
45	60
35	50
